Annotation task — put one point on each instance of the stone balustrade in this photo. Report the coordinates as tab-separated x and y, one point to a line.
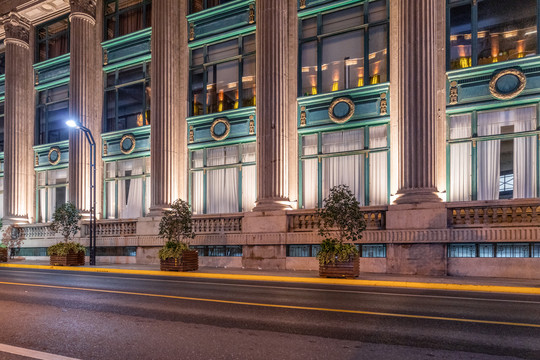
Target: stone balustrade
106	228
307	220
502	213
212	224
38	231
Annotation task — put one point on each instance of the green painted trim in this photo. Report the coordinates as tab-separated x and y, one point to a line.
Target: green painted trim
328	6
348	125
59	60
218	9
52	84
140	130
360	92
494	104
3	78
489	69
46	147
209	40
236	141
2	97
125	63
134	155
229	114
125	39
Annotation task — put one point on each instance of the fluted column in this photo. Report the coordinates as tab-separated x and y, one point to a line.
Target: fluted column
272	105
417	100
170	62
84	72
19	118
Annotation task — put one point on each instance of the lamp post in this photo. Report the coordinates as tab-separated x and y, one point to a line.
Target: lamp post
90	138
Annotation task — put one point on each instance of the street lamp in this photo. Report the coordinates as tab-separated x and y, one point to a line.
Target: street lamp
90	138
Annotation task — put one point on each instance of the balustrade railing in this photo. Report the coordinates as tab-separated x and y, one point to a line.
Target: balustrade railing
217	224
522	212
37	231
307	220
105	228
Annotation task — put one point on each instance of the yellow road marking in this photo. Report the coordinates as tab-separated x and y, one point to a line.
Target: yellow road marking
292	279
360	312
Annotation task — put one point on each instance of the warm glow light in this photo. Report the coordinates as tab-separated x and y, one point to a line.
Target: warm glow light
305	69
335	86
247	78
509	34
453	37
482	34
324	67
467	36
530	32
520	47
350	62
232	85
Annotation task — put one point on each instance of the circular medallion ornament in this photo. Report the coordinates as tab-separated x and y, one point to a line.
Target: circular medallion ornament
54	155
507	84
127	144
341	110
220	129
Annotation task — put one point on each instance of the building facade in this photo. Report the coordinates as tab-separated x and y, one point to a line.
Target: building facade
252	110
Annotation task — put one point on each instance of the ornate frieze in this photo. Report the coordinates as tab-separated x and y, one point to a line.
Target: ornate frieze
87	7
16	27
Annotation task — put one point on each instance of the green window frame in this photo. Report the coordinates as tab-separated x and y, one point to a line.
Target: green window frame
52	39
129	85
199	173
52	111
112	186
494	250
47	188
210	63
318	48
467	41
473	141
319	155
123	17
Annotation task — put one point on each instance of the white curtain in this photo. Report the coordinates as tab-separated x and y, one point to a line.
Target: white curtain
460	159
130	197
524	159
1	197
346	170
249	187
111	199
197	186
378	166
56	195
310	177
147	193
222	184
42	205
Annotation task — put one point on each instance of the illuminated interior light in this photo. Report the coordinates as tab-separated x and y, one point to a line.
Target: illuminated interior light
467	36
509	34
531	32
350	62
482	34
453	37
324	67
372	56
232	85
313	90
305	69
360	81
375	79
335	86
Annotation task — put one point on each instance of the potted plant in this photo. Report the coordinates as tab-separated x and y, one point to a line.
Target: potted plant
12	239
341	222
66	221
174	227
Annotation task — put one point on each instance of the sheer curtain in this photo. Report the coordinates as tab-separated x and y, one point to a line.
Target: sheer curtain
222	184
130	190
378	166
111	199
348	169
310	174
249	187
197	199
460	159
489	153
1	197
525	154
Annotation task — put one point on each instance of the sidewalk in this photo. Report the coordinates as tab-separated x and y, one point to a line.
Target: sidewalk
476	284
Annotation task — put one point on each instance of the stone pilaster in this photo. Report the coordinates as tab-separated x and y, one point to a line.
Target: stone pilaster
84	72
170	62
272	105
19	117
417	99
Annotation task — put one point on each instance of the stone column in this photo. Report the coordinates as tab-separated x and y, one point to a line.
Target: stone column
272	105
83	92
19	118
170	61
417	100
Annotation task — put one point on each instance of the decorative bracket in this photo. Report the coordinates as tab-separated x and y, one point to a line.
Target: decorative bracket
251	14
191	32
384	105
453	93
303	116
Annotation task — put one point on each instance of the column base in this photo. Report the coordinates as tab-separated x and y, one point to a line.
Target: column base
417	196
157	210
14	220
272	204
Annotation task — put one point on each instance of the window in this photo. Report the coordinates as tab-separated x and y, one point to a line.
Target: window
303	250
127	98
219	250
2	116
344	49
123	17
223	179
198	5
52	39
345	157
2	195
127	188
222	76
503	145
2	59
372	250
490	31
51	113
500	250
52	188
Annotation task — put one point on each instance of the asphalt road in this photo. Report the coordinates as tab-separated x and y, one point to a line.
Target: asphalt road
111	316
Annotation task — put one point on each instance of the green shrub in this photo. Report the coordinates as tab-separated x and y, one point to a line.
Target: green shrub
340	220
2	246
176	226
173	249
64	248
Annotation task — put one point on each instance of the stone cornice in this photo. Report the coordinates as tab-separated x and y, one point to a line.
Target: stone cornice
16	27
87	7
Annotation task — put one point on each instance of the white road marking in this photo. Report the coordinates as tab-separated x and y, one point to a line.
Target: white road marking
32	353
94	275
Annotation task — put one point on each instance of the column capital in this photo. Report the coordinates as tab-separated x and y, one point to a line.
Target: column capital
16	27
85	8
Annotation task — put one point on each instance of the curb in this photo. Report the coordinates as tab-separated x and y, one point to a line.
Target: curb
292	279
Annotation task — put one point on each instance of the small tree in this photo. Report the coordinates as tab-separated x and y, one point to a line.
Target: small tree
174	227
66	220
12	239
340	215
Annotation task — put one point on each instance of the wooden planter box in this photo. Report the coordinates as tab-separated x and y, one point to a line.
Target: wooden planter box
348	269
70	259
189	262
3	254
